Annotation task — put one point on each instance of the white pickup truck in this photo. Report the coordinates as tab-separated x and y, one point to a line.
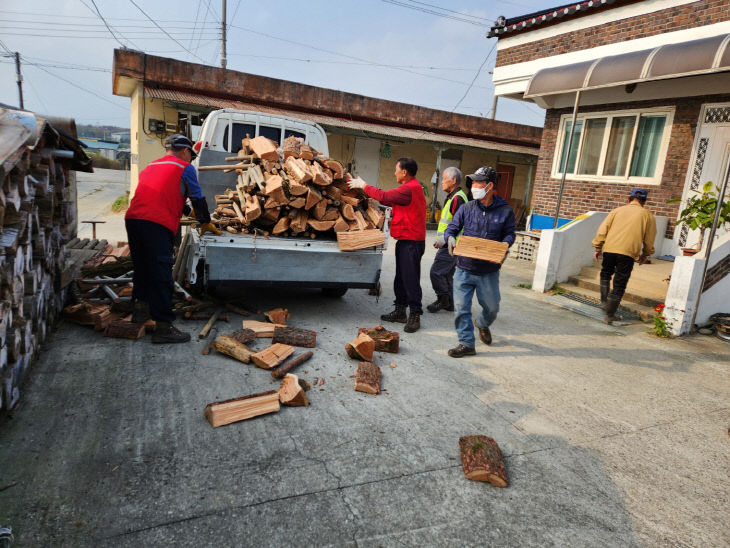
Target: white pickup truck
251	260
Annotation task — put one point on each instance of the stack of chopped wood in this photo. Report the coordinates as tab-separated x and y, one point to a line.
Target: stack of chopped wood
37	215
297	193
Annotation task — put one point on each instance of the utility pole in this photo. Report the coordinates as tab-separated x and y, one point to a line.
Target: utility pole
19	79
223	36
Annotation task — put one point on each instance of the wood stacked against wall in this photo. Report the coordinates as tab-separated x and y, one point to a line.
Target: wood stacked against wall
297	194
37	216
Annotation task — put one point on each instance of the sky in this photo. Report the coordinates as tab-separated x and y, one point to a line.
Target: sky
431	53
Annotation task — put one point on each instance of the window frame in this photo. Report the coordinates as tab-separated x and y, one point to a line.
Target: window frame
609	115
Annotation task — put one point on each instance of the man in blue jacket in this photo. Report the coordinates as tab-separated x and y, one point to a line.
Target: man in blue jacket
486	216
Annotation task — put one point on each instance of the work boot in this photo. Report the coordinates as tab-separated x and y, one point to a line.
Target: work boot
397	315
168	333
605	290
413	324
484	334
442	302
460	351
141	312
611	307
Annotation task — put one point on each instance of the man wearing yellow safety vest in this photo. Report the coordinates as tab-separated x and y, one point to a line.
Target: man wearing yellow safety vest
444	265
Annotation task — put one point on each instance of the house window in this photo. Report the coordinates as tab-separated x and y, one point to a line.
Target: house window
620	146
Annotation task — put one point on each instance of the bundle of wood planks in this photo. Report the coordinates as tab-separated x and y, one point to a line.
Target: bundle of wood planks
295	193
37	217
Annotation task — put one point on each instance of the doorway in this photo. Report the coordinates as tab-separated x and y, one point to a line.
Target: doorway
366	160
505	178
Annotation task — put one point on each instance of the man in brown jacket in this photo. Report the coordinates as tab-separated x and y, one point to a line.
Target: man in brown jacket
620	240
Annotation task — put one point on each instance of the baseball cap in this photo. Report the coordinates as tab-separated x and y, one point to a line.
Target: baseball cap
639	193
178	142
483	174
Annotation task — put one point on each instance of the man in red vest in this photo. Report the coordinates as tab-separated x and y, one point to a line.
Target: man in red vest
152	221
408	226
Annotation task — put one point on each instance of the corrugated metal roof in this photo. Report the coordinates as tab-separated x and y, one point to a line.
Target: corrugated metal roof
332	123
99	145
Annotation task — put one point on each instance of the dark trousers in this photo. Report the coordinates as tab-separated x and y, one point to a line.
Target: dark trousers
442	274
407	283
150	246
619	267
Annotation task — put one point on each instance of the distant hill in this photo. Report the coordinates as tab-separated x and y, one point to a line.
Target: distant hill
98	132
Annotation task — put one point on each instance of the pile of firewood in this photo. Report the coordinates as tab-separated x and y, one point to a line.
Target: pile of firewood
295	192
37	215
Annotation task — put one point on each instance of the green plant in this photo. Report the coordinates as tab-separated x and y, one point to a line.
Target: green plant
525	286
121	203
699	211
557	290
661	325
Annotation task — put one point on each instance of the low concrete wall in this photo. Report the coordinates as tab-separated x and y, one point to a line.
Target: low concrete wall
563	252
684	287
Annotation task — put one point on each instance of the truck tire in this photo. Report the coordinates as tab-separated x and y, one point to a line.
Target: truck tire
334	292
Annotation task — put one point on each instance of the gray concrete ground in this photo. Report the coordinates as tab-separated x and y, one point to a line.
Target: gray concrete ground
96	194
612	437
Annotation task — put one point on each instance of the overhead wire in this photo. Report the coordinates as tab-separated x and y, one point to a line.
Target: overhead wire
475	77
163	30
74	84
432	12
107	24
448	10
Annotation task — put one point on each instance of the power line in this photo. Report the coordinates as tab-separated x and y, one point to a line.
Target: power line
367	61
449	11
475	77
86	37
75	26
76	17
205	19
419	67
107	24
438	14
163	30
79	87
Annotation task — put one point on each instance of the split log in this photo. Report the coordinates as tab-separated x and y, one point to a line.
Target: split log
362	224
228	345
295	337
256	177
319	210
306	152
349	200
291	147
238	409
277	316
299	224
291	393
262	329
360	239
314	196
271	215
264	148
361	348
482	249
297	170
341	225
289	365
367	378
125	330
376	216
253	208
231	230
331	214
335	166
270	357
275	190
320	226
298	203
385	341
482	460
320	176
281	226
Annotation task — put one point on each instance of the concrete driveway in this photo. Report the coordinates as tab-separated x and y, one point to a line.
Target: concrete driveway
96	194
612	437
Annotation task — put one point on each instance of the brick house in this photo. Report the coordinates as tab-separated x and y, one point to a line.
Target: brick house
650	84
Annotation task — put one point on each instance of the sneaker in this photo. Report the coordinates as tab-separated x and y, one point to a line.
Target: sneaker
413	324
484	334
166	333
461	351
397	315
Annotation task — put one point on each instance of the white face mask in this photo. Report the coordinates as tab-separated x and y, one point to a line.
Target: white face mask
478	193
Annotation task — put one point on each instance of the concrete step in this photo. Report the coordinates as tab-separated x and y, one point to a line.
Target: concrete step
649	281
594	286
646	313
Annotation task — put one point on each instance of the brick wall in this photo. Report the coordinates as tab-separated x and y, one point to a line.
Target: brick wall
582	196
717	272
691	15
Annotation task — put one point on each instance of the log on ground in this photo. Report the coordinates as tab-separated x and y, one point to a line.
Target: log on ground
291	393
290	365
239	409
272	356
295	337
124	330
482	460
228	345
385	341
277	316
262	329
367	378
361	348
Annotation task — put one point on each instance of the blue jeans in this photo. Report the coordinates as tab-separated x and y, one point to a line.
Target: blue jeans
487	289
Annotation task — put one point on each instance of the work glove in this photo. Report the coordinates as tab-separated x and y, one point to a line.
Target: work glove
440	242
357	183
209	227
452	245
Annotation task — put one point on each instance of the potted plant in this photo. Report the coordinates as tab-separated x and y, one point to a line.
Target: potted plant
699	213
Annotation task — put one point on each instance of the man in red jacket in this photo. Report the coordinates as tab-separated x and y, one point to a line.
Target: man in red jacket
408	226
152	221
